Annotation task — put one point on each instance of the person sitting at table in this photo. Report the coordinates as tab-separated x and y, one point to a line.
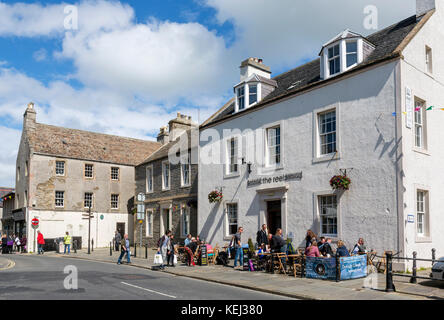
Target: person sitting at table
313	250
325	248
342	249
309	238
277	242
359	247
187	240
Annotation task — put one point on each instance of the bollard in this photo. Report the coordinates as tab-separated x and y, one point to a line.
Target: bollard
146	251
413	278
302	265
135	250
389	286
75	246
433	256
92	245
338	268
110	249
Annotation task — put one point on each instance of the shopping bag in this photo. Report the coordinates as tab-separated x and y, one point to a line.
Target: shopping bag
175	260
158	259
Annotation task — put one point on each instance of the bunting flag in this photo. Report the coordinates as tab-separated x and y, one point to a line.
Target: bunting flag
430	108
394	113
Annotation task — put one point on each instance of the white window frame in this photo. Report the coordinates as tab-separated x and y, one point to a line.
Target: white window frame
267	161
60	199
149	223
185	211
350	53
118	174
239	96
250	94
317	157
429	59
64	168
334	57
426	235
149	169
317	205
422	125
84	200
228	235
164	188
183	183
118	201
92	171
232	157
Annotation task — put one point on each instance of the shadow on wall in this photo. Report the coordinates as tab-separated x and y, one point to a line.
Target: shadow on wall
209	222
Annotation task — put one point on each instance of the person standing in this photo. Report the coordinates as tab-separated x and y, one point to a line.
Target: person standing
309	238
124	249
170	258
187	240
117	239
67	243
4	244
238	248
262	237
40	242
17	243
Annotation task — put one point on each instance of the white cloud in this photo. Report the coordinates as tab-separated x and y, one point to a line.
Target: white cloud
284	32
9	147
40	55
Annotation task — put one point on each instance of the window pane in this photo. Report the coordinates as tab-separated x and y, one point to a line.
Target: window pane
253	94
232	218
352	59
352	47
328	213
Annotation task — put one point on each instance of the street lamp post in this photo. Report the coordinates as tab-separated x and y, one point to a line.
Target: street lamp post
140	215
88	216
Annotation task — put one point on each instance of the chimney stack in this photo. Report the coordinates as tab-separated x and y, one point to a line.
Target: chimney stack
179	125
163	137
254	65
30	116
424	6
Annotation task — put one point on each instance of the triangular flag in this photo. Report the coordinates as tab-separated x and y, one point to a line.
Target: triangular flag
418	108
442	109
394	114
405	113
430	108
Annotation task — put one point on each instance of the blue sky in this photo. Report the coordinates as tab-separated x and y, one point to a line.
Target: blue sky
131	65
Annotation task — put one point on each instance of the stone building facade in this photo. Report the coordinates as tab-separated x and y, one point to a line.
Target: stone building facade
7	198
170	188
62	172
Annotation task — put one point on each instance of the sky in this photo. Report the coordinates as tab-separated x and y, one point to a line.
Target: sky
127	67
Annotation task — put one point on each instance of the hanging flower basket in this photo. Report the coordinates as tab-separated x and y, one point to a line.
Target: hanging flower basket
215	196
340	182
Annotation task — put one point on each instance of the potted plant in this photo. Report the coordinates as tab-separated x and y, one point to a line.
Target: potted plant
340	182
215	196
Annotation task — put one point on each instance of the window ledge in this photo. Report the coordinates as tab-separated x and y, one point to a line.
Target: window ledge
231	175
422	151
186	186
423	239
228	238
327	157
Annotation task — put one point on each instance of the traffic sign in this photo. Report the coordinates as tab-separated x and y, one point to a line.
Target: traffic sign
140	221
35	223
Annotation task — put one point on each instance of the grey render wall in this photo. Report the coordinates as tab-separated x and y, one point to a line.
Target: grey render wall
177	195
366	128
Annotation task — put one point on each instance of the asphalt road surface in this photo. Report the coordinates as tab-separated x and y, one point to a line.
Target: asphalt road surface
43	278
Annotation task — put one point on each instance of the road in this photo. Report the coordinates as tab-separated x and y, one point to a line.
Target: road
42	277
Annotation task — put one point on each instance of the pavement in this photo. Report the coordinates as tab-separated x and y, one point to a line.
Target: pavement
47	277
370	288
6	263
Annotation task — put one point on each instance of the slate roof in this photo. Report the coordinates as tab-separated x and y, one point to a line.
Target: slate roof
163	151
92	146
386	41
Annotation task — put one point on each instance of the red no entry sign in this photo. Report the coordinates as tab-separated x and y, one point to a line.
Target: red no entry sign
35	222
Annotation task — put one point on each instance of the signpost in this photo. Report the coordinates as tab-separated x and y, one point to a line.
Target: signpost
140	214
88	216
35	224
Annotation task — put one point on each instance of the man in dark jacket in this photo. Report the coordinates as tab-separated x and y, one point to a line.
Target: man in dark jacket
325	247
262	237
277	242
117	239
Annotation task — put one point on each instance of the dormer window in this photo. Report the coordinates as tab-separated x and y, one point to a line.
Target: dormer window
334	60
352	53
344	52
241	98
253	94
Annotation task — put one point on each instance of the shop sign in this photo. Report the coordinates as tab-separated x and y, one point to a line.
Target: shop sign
268	180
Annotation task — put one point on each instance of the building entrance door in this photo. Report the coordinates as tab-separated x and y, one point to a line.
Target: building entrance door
274	216
165	221
120	227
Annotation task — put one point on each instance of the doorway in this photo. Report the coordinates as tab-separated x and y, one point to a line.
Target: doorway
120	227
274	216
165	221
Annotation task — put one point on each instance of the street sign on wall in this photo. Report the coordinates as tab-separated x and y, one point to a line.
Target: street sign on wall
35	223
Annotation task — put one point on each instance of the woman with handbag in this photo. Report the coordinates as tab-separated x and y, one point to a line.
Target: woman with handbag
170	251
162	247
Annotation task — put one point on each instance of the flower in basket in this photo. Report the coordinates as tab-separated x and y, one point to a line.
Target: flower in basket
340	182
215	196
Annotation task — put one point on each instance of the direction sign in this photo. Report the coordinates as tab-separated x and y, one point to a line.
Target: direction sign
141	197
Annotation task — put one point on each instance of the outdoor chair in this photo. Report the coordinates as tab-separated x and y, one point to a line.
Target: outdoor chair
295	263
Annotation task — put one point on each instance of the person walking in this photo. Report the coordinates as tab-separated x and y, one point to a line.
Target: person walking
262	237
238	248
67	242
4	244
170	248
23	242
40	242
162	247
17	243
124	249
117	239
